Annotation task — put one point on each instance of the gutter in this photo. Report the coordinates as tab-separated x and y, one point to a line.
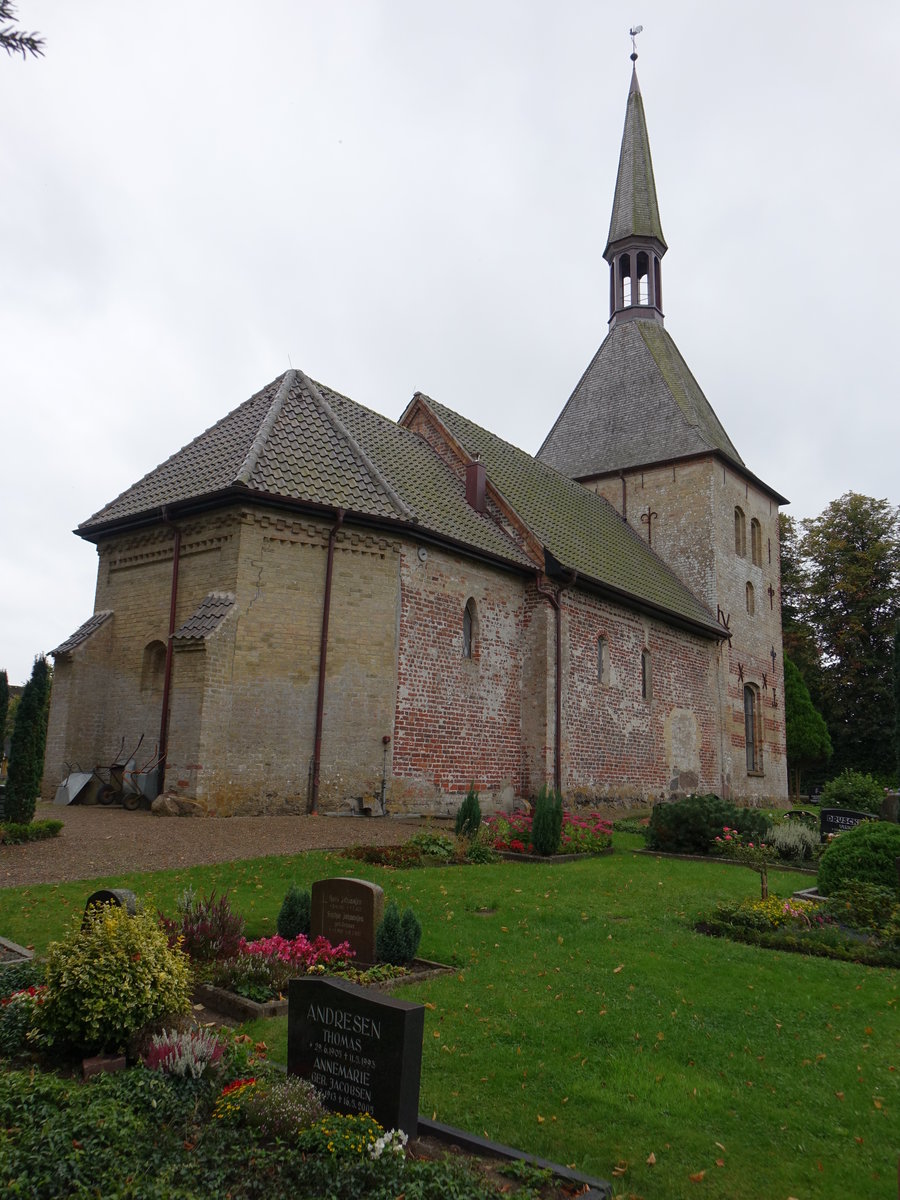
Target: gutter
167	676
553	596
313	806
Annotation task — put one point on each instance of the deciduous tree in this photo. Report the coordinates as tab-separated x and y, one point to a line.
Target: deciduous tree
851	553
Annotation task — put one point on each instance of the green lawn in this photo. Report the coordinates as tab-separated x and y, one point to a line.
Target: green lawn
589	1024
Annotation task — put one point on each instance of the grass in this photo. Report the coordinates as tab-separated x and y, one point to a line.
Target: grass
588	1023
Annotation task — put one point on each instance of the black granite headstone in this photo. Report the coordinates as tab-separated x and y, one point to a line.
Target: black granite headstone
839	820
361	1051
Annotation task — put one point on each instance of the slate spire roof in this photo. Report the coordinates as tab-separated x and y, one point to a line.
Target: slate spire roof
303	446
638	402
635	211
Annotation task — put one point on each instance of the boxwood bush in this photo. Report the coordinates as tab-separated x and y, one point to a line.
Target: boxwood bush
691	825
866	854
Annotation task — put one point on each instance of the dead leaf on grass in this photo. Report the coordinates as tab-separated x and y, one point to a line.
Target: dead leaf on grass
651	1159
697	1177
620	1168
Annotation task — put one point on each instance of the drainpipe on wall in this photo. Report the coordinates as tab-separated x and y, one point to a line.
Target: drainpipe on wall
313	806
554	598
167	677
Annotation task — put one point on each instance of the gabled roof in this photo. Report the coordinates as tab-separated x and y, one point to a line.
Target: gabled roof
636	404
635	211
300	443
582	532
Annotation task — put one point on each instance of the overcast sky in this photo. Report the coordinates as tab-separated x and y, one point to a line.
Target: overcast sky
398	196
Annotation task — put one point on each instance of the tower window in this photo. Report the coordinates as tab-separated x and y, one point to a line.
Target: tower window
751	599
646	676
756	542
752	730
740	533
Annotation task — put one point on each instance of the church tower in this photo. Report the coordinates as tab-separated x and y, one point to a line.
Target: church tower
638	430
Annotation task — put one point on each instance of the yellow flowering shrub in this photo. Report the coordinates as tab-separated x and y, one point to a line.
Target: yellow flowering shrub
108	981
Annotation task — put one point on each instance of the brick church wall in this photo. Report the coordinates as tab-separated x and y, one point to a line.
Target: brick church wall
458	719
616	743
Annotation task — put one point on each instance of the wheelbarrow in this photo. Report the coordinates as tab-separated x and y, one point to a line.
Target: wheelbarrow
123	781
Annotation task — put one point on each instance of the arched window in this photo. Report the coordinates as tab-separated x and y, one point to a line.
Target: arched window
153	669
643	283
756	542
646	676
469	628
602	660
751	599
753	730
740	533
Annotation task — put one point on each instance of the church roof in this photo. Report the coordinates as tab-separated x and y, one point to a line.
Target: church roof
299	443
635	212
637	403
580	529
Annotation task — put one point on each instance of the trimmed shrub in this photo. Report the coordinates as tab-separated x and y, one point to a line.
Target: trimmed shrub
865	906
109	980
853	789
866	854
547	822
468	815
35	831
397	938
294	915
691	825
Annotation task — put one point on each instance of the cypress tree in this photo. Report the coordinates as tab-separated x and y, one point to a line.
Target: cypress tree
26	754
4	708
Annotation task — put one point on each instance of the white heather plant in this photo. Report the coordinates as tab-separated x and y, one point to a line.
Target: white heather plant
183	1052
793	840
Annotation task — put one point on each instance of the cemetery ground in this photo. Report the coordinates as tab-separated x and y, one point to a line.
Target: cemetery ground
587	1023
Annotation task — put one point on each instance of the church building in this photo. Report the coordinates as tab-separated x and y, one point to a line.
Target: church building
312	608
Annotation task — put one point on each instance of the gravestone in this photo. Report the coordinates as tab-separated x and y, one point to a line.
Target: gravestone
839	820
362	1051
117	897
347	910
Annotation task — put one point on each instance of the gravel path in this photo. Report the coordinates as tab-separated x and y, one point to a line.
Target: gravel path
99	841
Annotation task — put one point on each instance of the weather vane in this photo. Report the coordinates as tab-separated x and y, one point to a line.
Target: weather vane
633	34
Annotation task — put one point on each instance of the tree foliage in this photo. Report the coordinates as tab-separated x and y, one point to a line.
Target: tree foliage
843	592
4	707
897	700
26	753
13	40
806	732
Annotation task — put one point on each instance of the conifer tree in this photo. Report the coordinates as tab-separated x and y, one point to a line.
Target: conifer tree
26	755
4	707
806	732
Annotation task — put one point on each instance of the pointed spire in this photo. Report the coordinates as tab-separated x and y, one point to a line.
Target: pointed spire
635	212
636	244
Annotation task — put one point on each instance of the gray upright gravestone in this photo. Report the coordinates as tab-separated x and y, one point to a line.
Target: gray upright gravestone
347	910
361	1051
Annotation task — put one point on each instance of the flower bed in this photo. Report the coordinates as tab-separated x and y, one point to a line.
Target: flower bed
854	926
581	836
